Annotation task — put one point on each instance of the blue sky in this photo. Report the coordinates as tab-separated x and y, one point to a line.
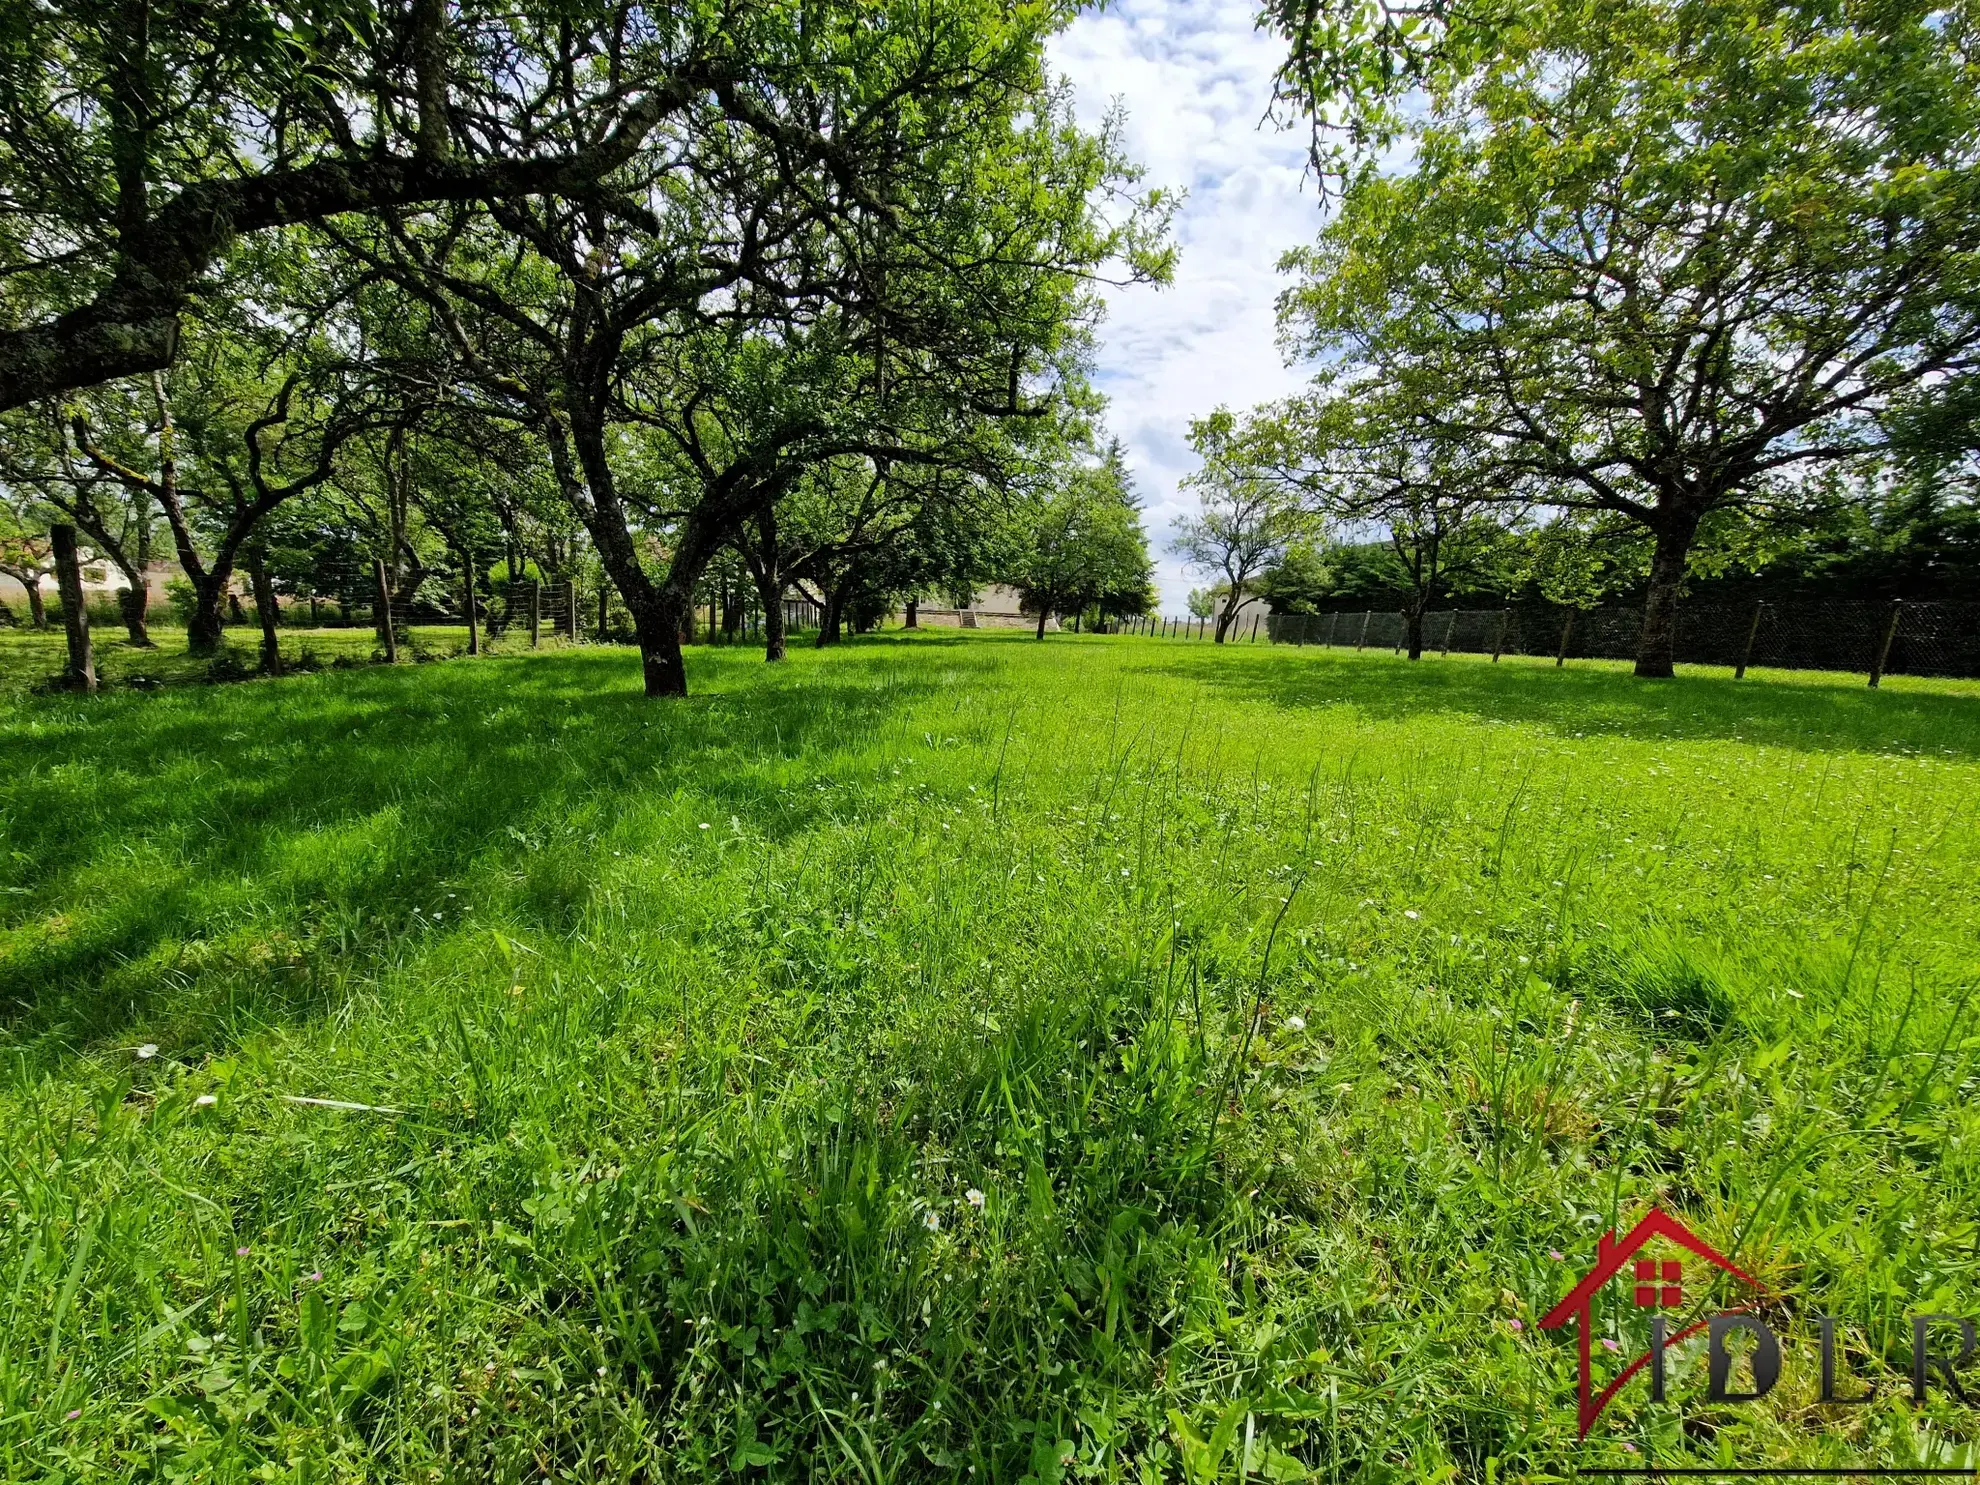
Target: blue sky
1194	77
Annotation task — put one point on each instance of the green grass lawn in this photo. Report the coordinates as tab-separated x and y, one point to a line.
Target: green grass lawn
884	1067
33	661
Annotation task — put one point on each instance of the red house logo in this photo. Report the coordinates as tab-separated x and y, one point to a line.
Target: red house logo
1657	1285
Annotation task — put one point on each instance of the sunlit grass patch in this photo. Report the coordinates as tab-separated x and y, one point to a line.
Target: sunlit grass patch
655	1052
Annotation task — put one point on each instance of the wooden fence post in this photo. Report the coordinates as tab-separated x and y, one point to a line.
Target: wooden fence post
1450	627
383	604
1752	633
1499	641
81	673
1883	650
1362	643
1567	629
536	616
1254	627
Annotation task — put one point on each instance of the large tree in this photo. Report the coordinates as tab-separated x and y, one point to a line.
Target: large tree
907	277
1672	255
140	139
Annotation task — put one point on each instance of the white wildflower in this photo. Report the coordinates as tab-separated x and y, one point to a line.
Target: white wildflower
1295	1023
205	1101
974	1198
148	1051
932	1221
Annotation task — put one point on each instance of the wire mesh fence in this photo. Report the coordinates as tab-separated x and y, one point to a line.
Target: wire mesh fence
1868	637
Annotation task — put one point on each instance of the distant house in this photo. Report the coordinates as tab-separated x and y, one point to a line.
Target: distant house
101	579
995	607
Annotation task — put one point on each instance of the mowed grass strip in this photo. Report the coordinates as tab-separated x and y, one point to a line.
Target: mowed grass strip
872	1068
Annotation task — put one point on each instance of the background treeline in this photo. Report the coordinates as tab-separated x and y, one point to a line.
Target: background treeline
1917	543
1639	303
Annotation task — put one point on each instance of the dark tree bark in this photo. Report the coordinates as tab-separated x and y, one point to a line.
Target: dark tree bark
832	616
1413	626
911	615
81	673
132	603
763	555
37	607
1227	615
267	611
1656	648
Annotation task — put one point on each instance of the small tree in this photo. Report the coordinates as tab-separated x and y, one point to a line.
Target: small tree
1086	545
1246	520
25	553
1371	460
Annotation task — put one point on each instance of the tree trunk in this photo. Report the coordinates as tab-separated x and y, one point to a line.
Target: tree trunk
657	625
833	617
37	610
381	614
764	558
911	617
75	612
132	602
1656	646
1228	615
1044	612
266	611
205	627
1414	625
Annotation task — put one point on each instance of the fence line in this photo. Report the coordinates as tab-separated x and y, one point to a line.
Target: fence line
1866	636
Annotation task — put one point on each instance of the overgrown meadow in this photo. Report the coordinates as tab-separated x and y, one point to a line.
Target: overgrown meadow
967	1057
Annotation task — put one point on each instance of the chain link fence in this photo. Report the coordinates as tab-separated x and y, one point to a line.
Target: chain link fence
1873	638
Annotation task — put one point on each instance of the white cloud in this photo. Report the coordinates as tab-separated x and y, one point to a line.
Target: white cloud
1195	78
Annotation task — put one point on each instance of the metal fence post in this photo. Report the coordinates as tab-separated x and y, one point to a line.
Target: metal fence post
1402	631
1449	627
536	616
467	601
1752	633
1884	649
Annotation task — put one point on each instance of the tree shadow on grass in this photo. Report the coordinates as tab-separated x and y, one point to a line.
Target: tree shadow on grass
269	828
1814	713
